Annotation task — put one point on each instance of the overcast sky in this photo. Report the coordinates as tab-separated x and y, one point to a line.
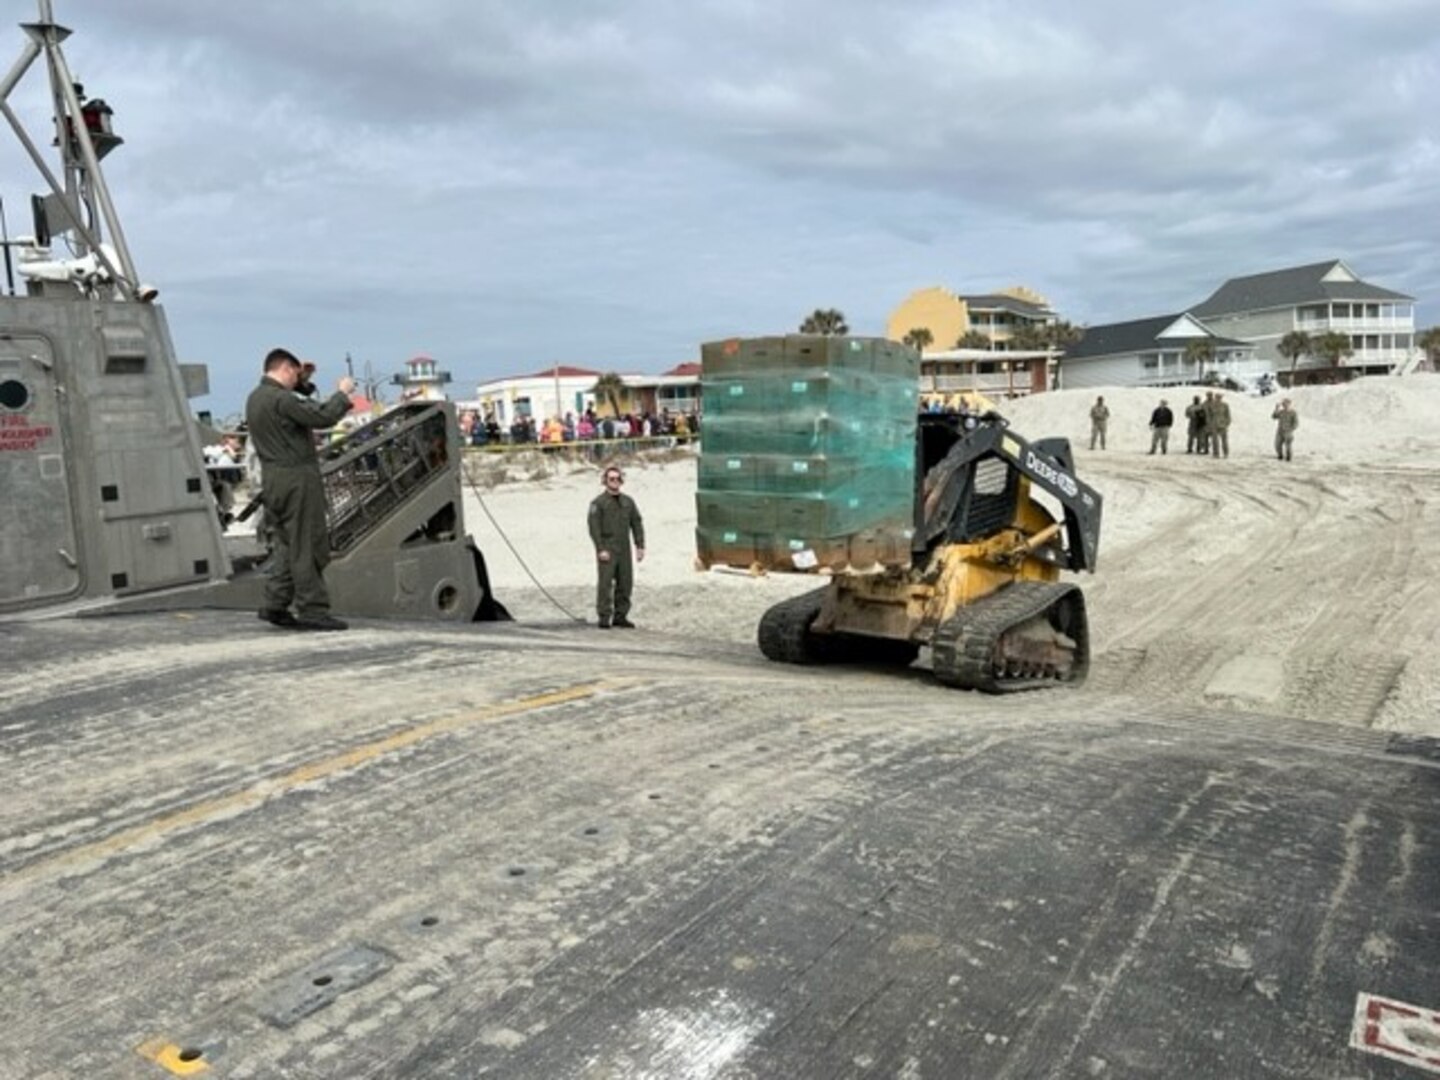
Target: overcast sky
607	183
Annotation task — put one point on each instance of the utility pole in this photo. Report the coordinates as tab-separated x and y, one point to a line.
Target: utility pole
368	381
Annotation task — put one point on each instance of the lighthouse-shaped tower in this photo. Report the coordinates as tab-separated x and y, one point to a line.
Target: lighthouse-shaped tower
422	380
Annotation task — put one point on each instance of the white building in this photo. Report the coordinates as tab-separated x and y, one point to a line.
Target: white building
563	389
422	380
1156	352
1317	299
554	391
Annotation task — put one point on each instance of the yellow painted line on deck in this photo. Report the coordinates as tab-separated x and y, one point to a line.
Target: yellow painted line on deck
171	1057
309	773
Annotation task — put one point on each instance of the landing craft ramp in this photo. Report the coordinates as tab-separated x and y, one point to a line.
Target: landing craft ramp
394	513
451	851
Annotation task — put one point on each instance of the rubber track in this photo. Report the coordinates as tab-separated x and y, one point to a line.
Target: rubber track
785	636
784	633
963	646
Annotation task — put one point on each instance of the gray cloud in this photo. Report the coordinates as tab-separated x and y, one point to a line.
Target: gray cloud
608	183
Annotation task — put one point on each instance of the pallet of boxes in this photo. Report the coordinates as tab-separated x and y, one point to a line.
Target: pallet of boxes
807	456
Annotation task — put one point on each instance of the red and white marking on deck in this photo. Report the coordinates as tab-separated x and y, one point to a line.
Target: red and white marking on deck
1397	1031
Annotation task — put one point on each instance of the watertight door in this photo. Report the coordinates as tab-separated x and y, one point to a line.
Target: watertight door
38	557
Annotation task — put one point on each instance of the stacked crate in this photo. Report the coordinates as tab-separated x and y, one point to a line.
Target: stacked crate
807	453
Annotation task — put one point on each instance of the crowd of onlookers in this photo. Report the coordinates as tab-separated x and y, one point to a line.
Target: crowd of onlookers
486	430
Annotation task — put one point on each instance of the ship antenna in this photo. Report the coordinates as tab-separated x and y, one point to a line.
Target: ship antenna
5	242
83	183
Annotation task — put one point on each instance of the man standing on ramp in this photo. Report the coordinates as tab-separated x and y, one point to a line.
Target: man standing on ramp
282	426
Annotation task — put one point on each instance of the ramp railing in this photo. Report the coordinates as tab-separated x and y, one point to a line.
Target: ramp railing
374	469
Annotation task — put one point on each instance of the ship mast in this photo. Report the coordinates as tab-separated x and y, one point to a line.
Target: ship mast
79	195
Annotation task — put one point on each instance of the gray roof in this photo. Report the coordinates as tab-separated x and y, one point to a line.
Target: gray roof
1136	336
1287	288
988	301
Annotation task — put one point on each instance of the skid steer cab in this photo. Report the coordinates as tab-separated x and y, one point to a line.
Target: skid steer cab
998	518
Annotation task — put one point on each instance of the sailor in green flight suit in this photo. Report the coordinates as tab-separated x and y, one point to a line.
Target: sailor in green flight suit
281	424
613	519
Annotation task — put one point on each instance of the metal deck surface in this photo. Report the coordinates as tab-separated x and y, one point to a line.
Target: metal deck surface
548	852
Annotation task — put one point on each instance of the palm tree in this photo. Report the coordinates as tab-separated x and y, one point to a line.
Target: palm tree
1333	347
1029	338
1429	342
1199	351
919	338
974	339
828	321
609	388
1061	335
1292	346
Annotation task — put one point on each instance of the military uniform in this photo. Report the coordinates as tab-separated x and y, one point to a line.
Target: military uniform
1195	438
1286	421
280	424
1217	423
614	519
1099	417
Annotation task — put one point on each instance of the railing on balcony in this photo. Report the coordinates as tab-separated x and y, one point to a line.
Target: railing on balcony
1362	325
997	384
1372	357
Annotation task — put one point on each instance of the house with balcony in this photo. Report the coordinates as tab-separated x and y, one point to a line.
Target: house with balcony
1156	352
674	391
1318	298
995	374
950	316
998	315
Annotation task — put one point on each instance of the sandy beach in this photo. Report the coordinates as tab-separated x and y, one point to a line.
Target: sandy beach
1303	590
